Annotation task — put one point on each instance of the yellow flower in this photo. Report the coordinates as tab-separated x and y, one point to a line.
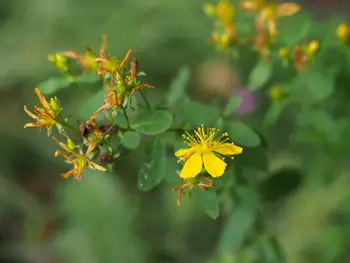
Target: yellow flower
269	11
45	116
208	149
343	32
79	161
225	11
312	48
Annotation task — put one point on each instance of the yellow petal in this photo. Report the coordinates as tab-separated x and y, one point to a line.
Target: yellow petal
227	149
184	152
192	167
213	164
287	9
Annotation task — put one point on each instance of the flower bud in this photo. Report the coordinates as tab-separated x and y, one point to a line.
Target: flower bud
343	32
276	93
70	144
55	104
312	48
284	53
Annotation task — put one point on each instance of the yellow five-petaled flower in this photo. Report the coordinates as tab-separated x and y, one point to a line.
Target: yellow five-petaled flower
45	116
79	161
207	148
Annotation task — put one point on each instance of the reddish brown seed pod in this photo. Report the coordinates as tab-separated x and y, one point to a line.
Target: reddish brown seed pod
85	128
105	158
134	67
108	128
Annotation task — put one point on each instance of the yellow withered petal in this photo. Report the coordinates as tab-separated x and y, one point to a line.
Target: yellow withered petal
67	174
287	9
228	149
65	156
213	164
193	166
97	166
32	125
65	147
184	152
44	102
31	114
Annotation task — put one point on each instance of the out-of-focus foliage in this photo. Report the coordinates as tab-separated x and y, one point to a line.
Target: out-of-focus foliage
285	198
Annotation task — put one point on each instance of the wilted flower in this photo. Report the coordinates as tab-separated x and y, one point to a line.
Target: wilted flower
45	116
79	161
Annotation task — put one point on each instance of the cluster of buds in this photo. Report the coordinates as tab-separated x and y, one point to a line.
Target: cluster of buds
343	32
225	32
122	81
301	55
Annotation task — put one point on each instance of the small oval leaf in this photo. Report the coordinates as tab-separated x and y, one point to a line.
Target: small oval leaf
232	105
153	168
54	84
208	200
260	74
242	134
178	85
130	140
152	122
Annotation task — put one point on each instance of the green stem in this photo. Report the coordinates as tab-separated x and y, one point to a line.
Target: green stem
127	118
145	99
67	125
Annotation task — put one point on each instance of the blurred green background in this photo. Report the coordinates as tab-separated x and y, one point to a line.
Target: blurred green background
106	218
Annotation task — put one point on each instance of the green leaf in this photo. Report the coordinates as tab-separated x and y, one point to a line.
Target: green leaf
152	122
259	75
208	201
242	134
232	105
239	222
121	121
197	113
255	158
93	102
274	112
318	84
153	168
130	140
86	79
178	86
54	84
270	250
287	33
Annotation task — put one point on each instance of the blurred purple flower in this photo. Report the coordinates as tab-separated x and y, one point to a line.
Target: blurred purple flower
249	101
